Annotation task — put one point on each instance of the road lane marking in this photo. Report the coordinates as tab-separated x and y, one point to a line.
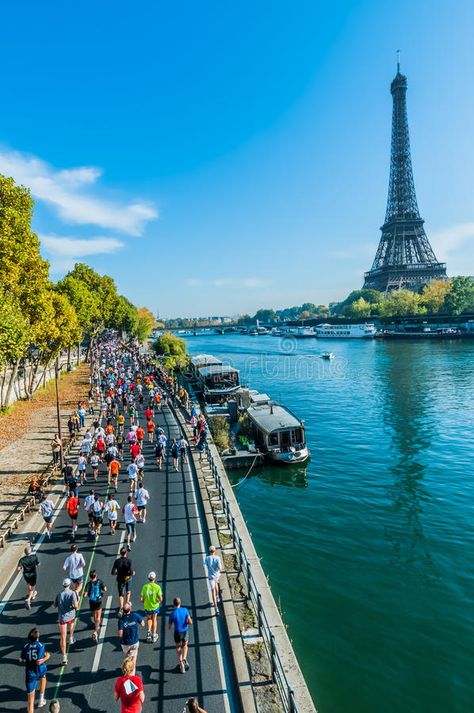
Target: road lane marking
36	547
103	627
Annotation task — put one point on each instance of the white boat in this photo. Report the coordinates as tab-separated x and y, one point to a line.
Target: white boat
218	381
278	433
346	331
305	333
327	355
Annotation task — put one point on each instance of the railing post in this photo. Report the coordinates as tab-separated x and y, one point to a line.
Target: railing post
291	701
249	575
272	655
259	613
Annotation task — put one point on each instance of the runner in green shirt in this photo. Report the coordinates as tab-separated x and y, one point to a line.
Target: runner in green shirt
151	596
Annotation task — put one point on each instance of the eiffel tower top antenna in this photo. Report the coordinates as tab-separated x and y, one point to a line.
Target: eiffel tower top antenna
398	61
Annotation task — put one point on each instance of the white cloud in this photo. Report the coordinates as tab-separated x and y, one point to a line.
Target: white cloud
237	282
447	241
68	191
63	252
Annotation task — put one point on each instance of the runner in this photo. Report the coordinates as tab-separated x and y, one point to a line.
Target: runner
100	446
72	506
47	509
111	508
67	473
119	442
159	453
129	515
67	603
174	450
88	508
120	423
128	630
213	565
74	566
151	596
193	706
95	460
150	427
98	514
81	469
114	469
140	463
35	656
134	450
182	446
142	497
28	564
132	471
181	620
129	688
124	572
95	589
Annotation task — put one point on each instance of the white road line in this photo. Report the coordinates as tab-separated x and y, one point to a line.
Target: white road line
19	576
103	627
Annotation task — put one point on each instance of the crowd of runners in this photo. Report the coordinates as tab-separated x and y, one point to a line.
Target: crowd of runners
127	392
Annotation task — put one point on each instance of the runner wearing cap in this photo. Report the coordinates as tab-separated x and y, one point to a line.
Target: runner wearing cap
67	604
128	630
151	596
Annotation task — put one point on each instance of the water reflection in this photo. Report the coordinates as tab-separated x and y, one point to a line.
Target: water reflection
293	476
406	393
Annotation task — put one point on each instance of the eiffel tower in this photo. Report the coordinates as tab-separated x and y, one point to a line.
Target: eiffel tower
404	258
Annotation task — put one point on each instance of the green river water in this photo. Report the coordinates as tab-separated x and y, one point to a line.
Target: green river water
370	546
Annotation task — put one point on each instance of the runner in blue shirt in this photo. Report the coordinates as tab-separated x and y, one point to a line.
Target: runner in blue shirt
181	619
34	655
128	630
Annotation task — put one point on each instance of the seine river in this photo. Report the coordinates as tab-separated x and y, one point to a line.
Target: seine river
370	547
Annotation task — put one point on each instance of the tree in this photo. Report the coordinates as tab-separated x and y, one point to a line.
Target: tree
265	315
369	295
460	297
172	348
400	303
360	308
244	320
434	294
14	337
145	323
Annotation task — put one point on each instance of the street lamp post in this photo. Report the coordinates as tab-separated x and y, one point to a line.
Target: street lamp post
58	413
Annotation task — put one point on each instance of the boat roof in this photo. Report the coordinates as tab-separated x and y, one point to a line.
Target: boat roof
204	360
217	369
272	417
257	398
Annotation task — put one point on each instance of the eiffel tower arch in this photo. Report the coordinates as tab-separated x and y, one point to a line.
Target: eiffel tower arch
404	258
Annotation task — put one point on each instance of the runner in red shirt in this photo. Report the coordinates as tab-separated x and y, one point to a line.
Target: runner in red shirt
134	450
129	688
72	506
148	414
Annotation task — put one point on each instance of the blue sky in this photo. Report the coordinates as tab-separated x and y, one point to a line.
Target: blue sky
218	157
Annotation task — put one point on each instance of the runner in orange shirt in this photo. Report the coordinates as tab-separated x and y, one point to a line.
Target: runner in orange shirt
114	469
140	432
150	427
72	507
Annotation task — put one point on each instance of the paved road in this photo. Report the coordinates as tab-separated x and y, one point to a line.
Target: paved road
171	543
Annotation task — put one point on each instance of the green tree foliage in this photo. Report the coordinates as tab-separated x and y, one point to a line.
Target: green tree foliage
460	297
360	308
244	320
373	297
172	348
14	330
400	303
265	315
433	295
145	323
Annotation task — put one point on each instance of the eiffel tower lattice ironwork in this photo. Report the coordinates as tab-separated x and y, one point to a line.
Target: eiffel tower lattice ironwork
404	258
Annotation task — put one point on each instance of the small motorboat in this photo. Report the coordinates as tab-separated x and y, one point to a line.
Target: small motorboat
327	355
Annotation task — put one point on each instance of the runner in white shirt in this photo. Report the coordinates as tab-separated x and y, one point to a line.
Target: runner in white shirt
95	460
74	566
129	515
89	499
111	508
140	463
46	509
132	476
142	497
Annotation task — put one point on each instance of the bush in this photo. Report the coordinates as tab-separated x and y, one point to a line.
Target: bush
220	432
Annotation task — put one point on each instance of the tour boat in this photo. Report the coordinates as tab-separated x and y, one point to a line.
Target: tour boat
345	331
278	433
304	333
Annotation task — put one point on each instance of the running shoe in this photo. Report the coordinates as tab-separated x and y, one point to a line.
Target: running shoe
186	665
64	660
35	594
27	604
182	667
72	640
41	703
148	636
155	638
95	638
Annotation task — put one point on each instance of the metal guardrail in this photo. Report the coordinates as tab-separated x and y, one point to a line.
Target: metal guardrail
29	501
278	672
